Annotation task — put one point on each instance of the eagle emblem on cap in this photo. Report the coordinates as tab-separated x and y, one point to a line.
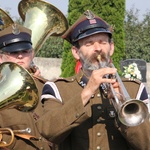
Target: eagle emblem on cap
89	14
15	29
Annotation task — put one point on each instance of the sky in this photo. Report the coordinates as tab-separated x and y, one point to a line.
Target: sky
12	6
62	5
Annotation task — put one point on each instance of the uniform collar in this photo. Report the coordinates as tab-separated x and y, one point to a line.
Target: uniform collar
82	79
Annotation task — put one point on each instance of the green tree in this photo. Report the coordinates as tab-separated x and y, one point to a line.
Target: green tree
112	11
53	47
137	39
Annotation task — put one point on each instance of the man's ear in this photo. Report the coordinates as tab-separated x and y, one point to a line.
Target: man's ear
75	52
111	48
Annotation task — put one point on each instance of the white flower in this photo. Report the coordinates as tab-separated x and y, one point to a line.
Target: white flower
131	71
127	76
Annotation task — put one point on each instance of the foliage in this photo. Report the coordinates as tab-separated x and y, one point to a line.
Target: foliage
137	39
53	47
106	10
132	72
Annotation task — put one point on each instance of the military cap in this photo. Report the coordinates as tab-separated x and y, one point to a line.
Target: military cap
15	38
88	24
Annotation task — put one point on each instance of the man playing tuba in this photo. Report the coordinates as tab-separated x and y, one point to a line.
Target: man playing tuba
16	46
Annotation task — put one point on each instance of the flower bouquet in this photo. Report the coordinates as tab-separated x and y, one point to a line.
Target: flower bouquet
132	72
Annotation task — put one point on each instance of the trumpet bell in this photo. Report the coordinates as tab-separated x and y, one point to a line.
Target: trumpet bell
133	112
17	88
5	18
43	19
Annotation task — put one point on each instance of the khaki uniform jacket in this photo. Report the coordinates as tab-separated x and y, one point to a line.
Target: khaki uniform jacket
17	120
72	126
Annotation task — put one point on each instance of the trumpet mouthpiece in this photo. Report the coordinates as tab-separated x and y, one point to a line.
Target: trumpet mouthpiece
99	58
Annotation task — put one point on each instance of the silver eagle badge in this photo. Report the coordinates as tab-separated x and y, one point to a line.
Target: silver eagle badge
15	29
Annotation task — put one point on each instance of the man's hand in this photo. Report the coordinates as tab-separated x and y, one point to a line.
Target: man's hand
96	79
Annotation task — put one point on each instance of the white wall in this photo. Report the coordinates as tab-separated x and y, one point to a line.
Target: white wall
49	67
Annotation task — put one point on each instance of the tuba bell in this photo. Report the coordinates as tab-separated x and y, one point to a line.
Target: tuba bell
17	88
43	19
5	18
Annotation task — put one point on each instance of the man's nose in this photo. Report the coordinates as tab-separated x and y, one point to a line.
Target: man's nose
19	55
97	46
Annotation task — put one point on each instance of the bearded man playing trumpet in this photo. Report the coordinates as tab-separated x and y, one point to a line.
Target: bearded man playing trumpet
80	114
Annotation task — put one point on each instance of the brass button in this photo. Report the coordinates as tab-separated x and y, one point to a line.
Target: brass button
42	148
92	96
77	115
98	95
40	138
98	134
98	148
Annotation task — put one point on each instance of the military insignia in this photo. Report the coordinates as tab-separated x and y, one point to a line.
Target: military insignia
15	29
89	14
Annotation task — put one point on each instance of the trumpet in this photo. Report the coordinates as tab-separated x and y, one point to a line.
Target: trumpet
12	133
131	112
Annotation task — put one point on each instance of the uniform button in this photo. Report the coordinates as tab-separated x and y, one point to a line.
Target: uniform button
98	148
99	107
98	134
98	120
92	96
77	115
98	95
41	148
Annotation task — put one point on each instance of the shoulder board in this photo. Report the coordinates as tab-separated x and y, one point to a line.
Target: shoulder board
43	80
69	79
131	80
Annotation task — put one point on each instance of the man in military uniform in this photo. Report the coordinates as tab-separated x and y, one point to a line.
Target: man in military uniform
79	112
16	47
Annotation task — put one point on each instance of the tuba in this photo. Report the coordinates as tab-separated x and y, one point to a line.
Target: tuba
17	90
43	19
5	18
17	87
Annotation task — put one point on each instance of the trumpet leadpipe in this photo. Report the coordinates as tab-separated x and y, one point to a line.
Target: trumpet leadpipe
5	131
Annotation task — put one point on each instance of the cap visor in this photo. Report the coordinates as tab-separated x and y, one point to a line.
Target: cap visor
16	47
92	32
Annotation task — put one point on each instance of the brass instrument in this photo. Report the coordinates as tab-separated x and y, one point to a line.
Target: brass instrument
17	87
5	18
12	133
17	90
131	112
43	19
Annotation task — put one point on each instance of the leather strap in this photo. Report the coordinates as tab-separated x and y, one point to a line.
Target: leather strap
27	137
33	138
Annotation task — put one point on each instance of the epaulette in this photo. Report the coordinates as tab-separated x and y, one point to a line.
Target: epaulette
131	80
68	79
43	80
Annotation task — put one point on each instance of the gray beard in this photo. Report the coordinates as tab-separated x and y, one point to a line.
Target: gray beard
88	66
